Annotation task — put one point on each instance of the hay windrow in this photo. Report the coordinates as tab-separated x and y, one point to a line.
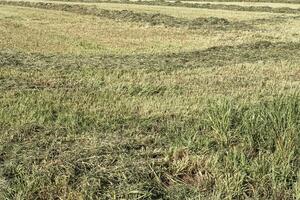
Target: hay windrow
137	17
197	5
261	1
212	57
215	6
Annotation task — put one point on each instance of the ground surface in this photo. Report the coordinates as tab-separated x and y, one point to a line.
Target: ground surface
149	100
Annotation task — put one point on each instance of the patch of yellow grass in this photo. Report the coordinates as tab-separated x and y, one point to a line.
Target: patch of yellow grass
47	31
248	4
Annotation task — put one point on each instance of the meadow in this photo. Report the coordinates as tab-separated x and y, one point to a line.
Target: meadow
149	100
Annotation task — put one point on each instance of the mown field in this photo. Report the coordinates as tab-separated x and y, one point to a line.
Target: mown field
149	100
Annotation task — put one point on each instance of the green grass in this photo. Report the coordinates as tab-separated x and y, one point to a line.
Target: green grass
97	107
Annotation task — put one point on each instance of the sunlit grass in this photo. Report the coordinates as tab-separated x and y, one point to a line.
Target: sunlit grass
92	108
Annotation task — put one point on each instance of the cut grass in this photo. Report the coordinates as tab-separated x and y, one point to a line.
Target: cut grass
58	32
63	32
256	1
217	119
220	6
262	4
275	3
130	16
212	57
107	133
229	150
181	12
